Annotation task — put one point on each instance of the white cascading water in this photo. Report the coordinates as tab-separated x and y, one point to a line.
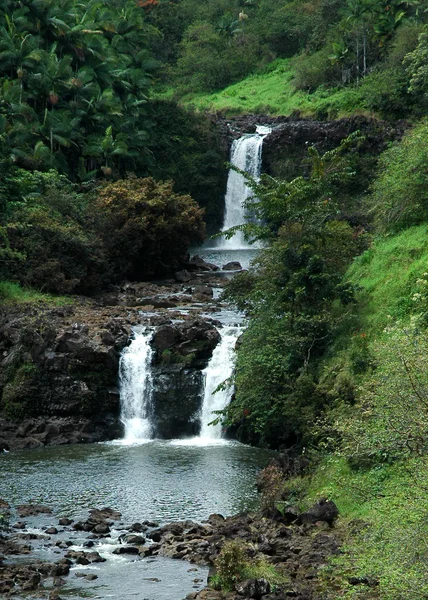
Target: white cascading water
246	155
136	387
219	368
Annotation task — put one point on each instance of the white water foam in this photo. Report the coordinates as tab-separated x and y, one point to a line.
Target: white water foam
246	155
136	388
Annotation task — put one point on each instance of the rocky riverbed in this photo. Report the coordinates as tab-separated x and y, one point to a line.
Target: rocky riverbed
298	544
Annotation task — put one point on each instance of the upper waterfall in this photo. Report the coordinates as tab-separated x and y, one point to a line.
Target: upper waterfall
136	387
246	155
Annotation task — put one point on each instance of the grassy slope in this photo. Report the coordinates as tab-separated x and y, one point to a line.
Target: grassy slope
386	496
271	93
13	293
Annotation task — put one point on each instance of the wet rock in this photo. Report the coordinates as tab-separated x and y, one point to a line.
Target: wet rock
26	510
165	338
202	292
138	528
60	569
233	265
51	530
182	276
126	550
65	522
253	588
196	263
134	540
102	528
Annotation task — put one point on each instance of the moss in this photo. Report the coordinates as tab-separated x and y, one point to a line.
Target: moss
17	399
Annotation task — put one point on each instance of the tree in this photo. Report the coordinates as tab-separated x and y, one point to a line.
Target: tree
145	227
296	298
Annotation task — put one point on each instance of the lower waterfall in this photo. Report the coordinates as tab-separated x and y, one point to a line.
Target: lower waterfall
218	370
136	387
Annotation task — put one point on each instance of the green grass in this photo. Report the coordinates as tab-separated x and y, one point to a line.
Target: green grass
387	273
384	512
13	293
272	92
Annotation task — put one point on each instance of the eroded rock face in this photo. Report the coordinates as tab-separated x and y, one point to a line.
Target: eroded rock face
59	367
58	373
177	401
190	343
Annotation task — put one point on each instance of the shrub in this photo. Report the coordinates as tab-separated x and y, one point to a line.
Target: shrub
231	563
400	193
50	232
145	227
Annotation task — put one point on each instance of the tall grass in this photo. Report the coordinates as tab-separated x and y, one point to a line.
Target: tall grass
13	293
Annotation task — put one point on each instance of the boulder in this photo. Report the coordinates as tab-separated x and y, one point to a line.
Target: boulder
253	588
182	276
233	265
196	263
323	510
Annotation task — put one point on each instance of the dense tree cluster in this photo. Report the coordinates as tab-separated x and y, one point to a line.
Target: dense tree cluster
74	80
377	44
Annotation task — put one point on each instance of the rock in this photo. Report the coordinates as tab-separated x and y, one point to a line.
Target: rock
65	522
182	276
138	528
234	265
101	528
51	530
60	569
165	337
134	539
26	510
126	550
101	514
253	588
323	510
196	263
203	292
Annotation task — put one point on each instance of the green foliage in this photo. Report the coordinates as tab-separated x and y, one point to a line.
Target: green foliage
230	563
11	292
73	85
392	415
233	565
60	253
271	482
400	193
17	399
416	62
146	228
296	298
4	522
188	150
387	275
211	58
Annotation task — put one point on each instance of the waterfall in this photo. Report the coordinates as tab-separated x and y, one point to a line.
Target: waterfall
246	154
218	369
136	387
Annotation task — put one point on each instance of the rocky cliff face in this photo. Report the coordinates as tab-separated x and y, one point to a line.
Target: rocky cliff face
59	366
58	374
286	147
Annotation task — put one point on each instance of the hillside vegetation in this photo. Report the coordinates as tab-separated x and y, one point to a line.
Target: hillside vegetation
109	165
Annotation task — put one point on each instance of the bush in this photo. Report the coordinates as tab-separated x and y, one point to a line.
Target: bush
57	250
400	193
314	70
145	227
